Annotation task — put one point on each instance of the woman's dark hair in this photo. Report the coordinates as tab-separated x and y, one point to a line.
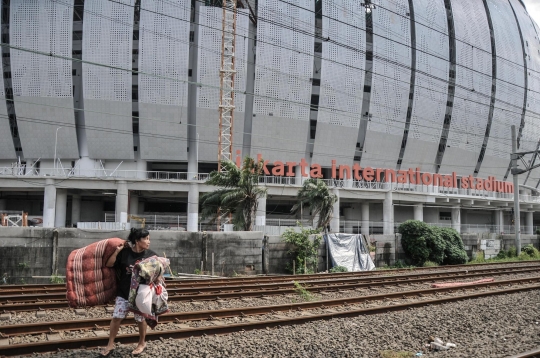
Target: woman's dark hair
137	234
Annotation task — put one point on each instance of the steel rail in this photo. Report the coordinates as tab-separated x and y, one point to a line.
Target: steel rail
532	353
33	302
234	281
47	327
49	346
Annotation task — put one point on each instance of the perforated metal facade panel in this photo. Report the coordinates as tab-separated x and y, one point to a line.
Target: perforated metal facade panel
164	52
510	80
107	39
473	78
390	89
431	84
390	85
342	81
432	64
282	79
284	59
7	150
42	85
342	75
531	131
210	57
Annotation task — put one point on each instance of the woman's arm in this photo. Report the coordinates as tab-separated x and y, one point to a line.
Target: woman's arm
112	259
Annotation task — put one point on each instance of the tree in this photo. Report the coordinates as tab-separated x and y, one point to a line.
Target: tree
238	193
316	196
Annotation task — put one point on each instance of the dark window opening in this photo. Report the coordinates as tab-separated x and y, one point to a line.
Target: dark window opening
74	72
135	34
191	36
135	148
190	72
315	102
77	35
7	74
367	89
445	216
369	55
318	47
135	128
316	81
76	52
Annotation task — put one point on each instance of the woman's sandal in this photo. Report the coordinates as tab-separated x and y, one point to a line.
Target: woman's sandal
138	353
106	353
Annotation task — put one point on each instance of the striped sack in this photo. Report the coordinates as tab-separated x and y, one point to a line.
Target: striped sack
88	281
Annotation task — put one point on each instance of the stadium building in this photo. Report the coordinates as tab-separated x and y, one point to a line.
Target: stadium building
109	109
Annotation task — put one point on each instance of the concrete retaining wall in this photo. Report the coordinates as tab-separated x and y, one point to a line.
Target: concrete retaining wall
27	252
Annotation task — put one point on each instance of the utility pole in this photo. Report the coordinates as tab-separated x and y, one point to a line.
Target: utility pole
515	173
227	72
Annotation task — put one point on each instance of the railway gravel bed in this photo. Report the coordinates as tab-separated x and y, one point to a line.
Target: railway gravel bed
496	326
100	312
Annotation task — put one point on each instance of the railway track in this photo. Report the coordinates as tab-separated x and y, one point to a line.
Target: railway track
50	288
32	301
306	312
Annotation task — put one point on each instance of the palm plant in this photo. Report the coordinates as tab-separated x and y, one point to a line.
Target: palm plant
238	193
316	195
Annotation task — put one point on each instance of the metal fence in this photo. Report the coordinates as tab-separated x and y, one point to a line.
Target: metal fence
76	172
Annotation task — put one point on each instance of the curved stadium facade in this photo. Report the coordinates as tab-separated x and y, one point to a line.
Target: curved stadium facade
112	108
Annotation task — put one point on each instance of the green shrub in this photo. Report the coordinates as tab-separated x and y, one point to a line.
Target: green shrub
531	251
537	231
512	252
454	252
338	269
436	245
501	255
413	240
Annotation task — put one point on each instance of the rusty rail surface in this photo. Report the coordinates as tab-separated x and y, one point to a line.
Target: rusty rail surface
49	346
25	302
40	288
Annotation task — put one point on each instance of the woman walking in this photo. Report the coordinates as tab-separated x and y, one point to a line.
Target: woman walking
123	259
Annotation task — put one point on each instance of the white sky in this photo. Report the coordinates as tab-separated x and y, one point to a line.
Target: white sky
533	8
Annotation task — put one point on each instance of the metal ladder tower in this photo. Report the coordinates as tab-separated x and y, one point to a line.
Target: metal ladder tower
227	73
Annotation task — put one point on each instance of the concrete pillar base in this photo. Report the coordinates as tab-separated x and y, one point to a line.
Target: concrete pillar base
193	208
388	214
364	230
419	212
122	202
61	208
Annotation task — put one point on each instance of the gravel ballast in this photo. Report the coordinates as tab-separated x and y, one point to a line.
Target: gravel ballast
496	326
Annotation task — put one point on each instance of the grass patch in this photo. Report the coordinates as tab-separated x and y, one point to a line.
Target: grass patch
430	264
528	253
302	292
394	354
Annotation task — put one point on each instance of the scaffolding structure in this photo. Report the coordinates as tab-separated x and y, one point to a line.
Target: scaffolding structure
227	74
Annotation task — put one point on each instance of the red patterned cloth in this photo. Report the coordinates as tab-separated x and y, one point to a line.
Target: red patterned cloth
88	281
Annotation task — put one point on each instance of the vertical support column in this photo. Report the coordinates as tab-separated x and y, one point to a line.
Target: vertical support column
2	204
364	230
75	209
122	202
419	212
388	214
260	216
334	222
500	214
529	222
133	204
456	219
193	208
193	160
49	203
61	208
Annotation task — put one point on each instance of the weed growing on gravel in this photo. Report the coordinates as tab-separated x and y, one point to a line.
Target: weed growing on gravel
338	269
302	292
393	354
430	264
56	279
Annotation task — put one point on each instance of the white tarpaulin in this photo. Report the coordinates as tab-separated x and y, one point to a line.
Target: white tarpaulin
350	251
